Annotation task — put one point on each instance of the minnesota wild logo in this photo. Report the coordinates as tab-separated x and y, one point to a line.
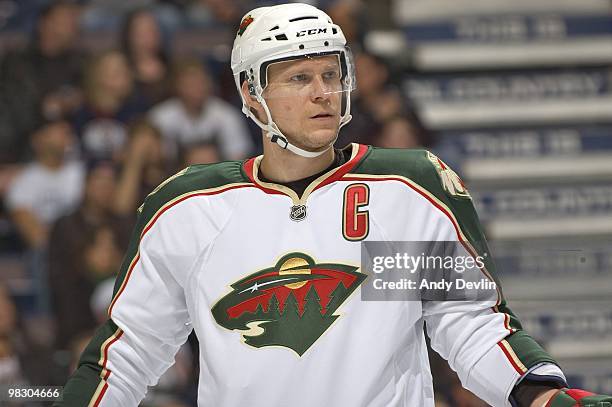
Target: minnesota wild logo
290	304
244	24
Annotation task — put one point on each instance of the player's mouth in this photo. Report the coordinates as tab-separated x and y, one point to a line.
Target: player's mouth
323	116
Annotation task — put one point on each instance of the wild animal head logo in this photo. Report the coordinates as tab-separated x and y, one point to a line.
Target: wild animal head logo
290	304
244	24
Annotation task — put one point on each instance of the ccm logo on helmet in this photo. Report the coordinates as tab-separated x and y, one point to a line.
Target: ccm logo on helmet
312	31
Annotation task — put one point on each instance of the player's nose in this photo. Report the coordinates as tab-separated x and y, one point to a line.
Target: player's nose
319	88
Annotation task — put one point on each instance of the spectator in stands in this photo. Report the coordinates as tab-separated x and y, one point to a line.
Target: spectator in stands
375	101
144	166
106	15
403	131
214	13
40	82
350	15
10	365
109	106
48	187
195	114
101	299
8	172
204	152
374	91
84	249
141	42
21	361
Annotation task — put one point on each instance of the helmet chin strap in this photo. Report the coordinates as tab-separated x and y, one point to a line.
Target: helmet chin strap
272	131
276	136
284	144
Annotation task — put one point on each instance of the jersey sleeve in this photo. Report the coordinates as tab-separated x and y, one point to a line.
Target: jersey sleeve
148	318
483	341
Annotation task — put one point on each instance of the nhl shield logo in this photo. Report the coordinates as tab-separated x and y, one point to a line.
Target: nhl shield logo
290	304
298	212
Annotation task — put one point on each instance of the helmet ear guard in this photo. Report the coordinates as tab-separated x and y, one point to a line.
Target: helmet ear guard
250	84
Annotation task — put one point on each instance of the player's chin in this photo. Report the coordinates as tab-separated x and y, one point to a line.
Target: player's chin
322	137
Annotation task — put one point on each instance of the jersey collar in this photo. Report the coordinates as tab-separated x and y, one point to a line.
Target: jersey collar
251	168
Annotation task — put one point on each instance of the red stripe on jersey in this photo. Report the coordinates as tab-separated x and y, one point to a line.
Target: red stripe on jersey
346	167
127	277
511	359
99	399
362	149
108	372
506	319
150	225
248	169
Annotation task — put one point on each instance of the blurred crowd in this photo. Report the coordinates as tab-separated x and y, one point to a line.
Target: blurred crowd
87	133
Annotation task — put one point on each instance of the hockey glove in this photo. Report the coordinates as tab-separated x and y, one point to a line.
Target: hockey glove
579	398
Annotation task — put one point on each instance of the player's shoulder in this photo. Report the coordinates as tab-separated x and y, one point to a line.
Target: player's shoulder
199	178
401	160
418	166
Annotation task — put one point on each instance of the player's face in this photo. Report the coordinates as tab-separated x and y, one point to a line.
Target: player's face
304	97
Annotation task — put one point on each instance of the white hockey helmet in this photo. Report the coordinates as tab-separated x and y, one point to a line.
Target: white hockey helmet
280	33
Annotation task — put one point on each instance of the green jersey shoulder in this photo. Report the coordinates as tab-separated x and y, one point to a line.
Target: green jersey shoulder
420	166
193	178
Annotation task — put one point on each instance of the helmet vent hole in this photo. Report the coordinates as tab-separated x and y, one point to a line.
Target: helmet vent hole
334	31
326	43
301	46
304	18
274	28
281	37
266	39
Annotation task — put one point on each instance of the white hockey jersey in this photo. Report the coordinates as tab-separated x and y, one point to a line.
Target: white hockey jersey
270	283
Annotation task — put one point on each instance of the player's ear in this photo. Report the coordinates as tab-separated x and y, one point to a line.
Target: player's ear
252	103
249	97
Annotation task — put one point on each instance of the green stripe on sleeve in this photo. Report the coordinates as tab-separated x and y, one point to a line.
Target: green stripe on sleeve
85	380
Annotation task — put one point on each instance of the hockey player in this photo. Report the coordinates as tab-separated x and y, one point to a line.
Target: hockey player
260	259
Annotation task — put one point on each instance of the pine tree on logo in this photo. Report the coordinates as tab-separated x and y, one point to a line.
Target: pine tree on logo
337	297
313	302
273	312
291	315
259	313
313	316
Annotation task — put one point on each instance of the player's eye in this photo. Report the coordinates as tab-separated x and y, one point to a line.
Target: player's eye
330	75
299	78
